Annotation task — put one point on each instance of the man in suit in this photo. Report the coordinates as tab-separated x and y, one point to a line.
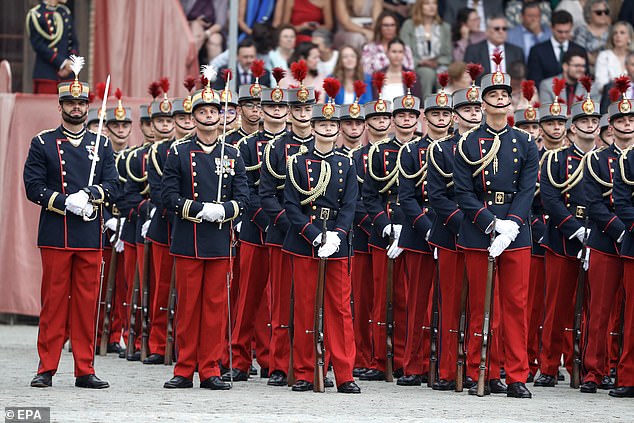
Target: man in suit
485	9
545	58
497	27
242	73
530	31
573	68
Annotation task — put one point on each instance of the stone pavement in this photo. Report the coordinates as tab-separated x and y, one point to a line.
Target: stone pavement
136	395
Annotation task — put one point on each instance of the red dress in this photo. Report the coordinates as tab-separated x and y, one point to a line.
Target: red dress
305	11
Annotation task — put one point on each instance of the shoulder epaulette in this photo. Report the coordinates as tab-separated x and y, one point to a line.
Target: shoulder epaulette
46	131
231	131
63	6
346	155
522	131
467	133
448	137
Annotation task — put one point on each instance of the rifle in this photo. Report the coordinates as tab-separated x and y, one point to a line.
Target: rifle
433	350
112	277
318	318
229	280
575	377
171	305
462	329
488	316
145	301
389	316
134	307
619	336
291	335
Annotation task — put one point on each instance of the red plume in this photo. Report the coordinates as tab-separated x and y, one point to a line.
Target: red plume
278	74
154	89
332	86
443	79
359	88
299	70
317	95
586	81
409	79
510	120
203	81
562	101
474	70
528	89
226	74
622	83
118	94
189	83
91	96
558	86
537	105
615	94
579	97
165	84
497	57
100	89
378	80
257	68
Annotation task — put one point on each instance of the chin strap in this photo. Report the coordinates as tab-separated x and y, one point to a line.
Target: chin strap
472	122
327	136
496	106
214	123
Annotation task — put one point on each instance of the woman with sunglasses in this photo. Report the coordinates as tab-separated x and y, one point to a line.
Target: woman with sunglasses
594	35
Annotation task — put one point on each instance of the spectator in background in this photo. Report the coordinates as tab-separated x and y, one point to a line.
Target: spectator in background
517	71
605	97
347	70
497	27
574	67
310	53
328	56
306	16
611	62
513	11
627	12
374	55
242	75
485	10
286	36
251	12
531	30
206	26
394	86
401	8
262	36
458	77
546	57
575	8
466	31
354	21
428	37
594	36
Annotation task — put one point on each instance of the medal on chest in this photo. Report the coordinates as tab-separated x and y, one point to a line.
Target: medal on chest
227	166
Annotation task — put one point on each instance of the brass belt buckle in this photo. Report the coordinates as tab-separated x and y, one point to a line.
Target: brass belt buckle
324	213
499	198
580	212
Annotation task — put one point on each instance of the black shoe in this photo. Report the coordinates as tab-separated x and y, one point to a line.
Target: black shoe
264	372
42	380
410	380
424	378
606	383
215	384
113	347
373	374
302	386
497	387
238	376
277	378
530	378
502	373
474	389
398	373
622	392
134	357
545	381
613	372
560	376
253	371
358	371
468	382
349	388
178	382
154	359
91	381
588	388
122	353
518	390
444	385
328	383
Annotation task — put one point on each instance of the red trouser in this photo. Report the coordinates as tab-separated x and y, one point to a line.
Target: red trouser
420	272
262	331
129	260
399	307
162	264
450	277
45	86
625	369
535	310
70	288
362	293
140	251
509	312
338	328
605	278
201	315
254	263
234	293
559	305
615	328
117	311
280	276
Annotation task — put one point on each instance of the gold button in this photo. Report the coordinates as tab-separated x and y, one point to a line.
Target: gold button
65	184
309	162
193	154
569	166
340	179
58	142
489	203
194	173
481	141
61	151
340	171
314	207
514	160
195	184
195	195
226	176
339	163
484	150
515	150
514	140
488	182
64	172
193	163
63	162
340	190
486	172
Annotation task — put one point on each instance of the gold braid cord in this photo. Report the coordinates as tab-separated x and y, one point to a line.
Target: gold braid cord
117	159
484	161
391	178
58	21
267	161
422	172
432	159
572	180
351	155
322	183
588	159
622	159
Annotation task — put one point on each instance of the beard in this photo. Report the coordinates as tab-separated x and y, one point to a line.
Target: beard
74	120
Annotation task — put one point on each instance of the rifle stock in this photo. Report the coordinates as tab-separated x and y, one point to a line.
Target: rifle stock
318	318
112	277
575	377
433	344
389	317
171	305
133	308
290	379
486	324
462	328
145	301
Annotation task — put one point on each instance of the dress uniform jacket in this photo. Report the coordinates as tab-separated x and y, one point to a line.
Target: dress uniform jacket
362	228
623	195
190	178
380	189
272	181
503	188
111	208
54	169
442	199
413	195
136	203
538	215
311	168
52	35
566	212
235	135
606	226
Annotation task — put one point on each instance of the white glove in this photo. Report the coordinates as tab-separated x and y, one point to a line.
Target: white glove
500	244
112	224
212	212
579	234
435	253
152	212
427	235
620	239
586	260
77	202
388	230
238	227
145	227
333	237
328	249
118	246
507	227
394	250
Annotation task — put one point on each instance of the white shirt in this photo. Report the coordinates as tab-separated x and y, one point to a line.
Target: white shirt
608	67
492	64
555	45
391	91
326	68
348	97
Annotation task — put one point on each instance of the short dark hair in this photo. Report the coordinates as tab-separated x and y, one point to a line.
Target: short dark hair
529	5
247	42
560	17
395	40
573	52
